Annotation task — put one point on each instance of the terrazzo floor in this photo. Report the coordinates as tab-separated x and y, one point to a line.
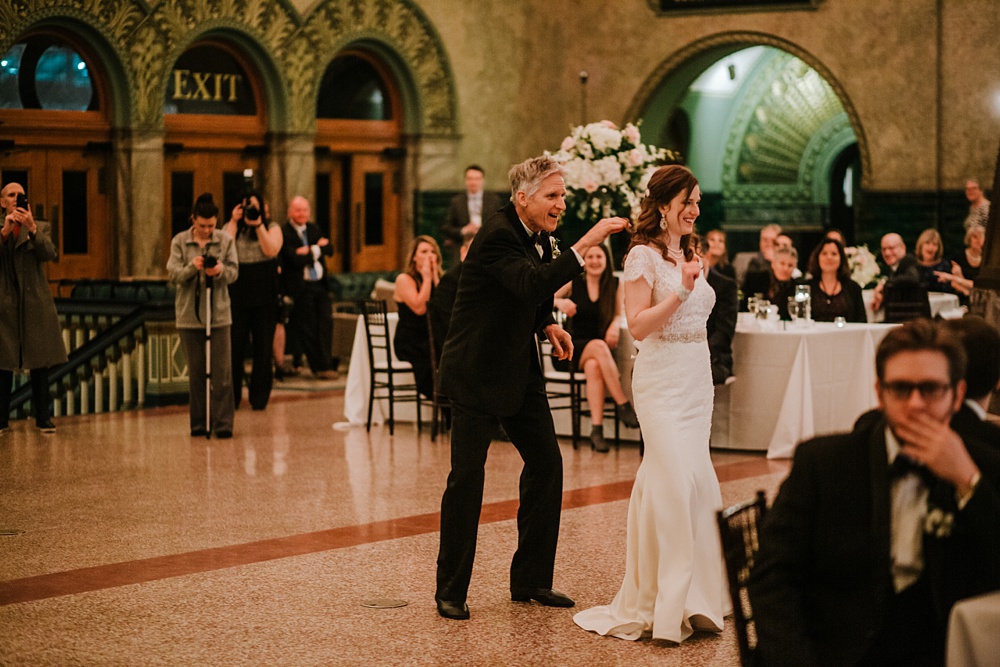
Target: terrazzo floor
144	546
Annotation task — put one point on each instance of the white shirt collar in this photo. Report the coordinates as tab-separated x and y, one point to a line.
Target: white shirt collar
891	445
975	407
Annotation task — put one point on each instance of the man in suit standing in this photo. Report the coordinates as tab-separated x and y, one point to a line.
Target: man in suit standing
876	533
304	280
490	371
468	210
900	267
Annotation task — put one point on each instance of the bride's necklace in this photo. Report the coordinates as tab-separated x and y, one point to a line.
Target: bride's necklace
676	254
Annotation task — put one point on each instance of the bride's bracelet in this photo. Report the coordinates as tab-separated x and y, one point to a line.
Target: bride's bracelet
682	293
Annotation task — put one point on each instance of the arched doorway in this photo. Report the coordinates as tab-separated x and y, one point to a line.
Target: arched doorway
55	140
359	166
216	126
764	125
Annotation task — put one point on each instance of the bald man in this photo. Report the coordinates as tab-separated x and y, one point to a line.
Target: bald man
303	273
901	267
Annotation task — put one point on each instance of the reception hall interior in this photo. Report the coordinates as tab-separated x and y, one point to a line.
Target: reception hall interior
306	531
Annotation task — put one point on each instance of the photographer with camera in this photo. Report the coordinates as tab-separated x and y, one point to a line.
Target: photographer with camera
254	298
30	335
202	265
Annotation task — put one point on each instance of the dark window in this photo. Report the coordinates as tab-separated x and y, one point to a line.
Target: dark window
352	88
41	73
207	79
232	194
181	200
374	186
321	213
17	176
74	199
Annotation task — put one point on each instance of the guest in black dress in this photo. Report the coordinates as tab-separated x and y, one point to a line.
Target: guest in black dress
965	267
593	303
413	291
776	284
929	251
254	297
834	294
715	254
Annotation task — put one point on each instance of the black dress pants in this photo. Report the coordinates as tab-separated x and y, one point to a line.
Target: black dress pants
311	324
533	435
253	326
41	400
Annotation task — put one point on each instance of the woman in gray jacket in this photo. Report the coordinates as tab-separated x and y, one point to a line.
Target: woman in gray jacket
197	255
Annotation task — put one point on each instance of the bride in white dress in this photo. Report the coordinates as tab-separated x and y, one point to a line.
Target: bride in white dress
675	581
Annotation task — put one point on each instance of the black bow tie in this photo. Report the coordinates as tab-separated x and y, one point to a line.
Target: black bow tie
903	465
540	238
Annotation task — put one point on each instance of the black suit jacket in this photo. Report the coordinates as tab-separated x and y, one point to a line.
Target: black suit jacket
504	298
293	264
965	422
905	273
441	303
458	214
822	578
722	324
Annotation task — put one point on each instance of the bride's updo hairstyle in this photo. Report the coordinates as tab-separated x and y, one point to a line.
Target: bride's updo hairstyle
664	185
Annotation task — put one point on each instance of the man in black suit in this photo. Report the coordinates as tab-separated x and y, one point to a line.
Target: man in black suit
468	210
303	274
982	346
490	371
900	267
876	533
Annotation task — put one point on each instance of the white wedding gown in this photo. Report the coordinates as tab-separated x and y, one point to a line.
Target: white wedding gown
675	579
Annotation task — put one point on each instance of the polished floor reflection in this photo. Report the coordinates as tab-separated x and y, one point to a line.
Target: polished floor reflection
142	545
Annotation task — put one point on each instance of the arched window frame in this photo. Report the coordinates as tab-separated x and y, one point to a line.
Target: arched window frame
348	135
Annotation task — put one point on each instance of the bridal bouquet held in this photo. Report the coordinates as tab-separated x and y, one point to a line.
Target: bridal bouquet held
606	170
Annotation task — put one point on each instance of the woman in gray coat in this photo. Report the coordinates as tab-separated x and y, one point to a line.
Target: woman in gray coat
30	334
196	255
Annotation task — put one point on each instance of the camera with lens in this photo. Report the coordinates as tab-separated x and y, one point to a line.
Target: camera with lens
209	261
250	212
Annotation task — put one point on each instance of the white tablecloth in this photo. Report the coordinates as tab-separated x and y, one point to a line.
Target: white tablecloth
974	632
944	304
794	384
359	382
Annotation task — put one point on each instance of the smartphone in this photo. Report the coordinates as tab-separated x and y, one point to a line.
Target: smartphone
22	201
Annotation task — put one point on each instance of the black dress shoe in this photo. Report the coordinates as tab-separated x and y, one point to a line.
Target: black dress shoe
223	434
546	596
46	426
458	611
198	433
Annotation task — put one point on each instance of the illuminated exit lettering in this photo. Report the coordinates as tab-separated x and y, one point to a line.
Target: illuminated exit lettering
207	86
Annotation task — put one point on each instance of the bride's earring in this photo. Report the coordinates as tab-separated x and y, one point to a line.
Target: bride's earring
663	221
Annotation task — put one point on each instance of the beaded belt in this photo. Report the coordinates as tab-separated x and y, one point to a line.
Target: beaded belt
688	337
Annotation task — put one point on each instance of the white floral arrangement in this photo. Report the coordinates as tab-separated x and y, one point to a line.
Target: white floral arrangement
863	265
606	170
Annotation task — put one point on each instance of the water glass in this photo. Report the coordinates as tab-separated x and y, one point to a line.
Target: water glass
840	321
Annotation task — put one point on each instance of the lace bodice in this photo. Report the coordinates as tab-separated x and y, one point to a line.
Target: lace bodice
665	278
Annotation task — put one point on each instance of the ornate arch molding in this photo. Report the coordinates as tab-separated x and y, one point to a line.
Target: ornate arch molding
104	25
397	30
262	29
732	41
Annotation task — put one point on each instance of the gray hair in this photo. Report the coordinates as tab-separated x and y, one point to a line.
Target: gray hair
790	251
527	176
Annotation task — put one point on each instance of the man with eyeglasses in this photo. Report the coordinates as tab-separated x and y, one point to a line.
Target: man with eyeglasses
876	533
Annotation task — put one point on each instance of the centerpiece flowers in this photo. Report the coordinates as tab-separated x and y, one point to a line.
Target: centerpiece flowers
606	170
863	265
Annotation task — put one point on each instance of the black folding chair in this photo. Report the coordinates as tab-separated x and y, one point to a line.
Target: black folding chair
383	369
738	532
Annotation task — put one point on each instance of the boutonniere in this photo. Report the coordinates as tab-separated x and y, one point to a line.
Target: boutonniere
554	244
938	523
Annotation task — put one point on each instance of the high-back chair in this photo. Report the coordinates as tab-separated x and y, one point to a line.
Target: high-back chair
563	389
738	527
383	369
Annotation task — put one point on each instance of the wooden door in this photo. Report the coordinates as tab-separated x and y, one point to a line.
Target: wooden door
374	209
330	210
68	188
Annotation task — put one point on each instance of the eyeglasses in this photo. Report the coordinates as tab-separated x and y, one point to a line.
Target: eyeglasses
929	391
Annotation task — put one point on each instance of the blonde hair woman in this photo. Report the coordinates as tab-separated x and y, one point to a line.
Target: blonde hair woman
414	287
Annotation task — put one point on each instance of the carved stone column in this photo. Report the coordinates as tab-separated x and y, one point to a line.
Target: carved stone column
141	211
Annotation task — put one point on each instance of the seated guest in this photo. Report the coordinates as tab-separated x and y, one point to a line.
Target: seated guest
929	251
876	533
834	294
900	267
722	320
593	303
981	341
413	290
714	253
965	267
747	263
837	235
785	241
777	284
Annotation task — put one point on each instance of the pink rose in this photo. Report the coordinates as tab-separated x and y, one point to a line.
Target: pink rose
632	134
568	143
635	157
608	123
590	186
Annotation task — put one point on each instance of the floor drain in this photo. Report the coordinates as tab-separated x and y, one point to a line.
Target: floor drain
384	603
9	532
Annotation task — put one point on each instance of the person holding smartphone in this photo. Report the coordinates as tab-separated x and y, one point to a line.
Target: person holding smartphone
30	335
